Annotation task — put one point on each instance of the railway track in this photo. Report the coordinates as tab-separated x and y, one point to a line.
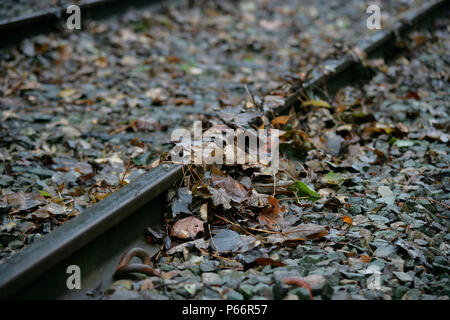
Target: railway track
96	240
14	29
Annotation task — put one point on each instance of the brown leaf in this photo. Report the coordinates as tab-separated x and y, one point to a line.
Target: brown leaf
137	143
280	121
173	59
303	232
365	258
187	228
268	262
234	190
271	214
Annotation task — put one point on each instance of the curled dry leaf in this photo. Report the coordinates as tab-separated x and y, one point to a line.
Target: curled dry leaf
187	228
268	262
347	220
270	215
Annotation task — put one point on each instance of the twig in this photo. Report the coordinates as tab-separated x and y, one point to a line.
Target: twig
217	256
294	198
159	252
125	173
263	230
212	238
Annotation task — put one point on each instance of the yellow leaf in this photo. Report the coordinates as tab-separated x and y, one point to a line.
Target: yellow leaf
67	92
347	219
101	196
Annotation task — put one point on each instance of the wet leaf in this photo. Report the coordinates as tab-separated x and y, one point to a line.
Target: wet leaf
226	241
182	201
233	189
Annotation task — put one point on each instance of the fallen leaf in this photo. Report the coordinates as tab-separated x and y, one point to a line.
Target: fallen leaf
270	215
280	121
268	262
234	190
301	232
303	190
225	241
182	201
347	220
316	103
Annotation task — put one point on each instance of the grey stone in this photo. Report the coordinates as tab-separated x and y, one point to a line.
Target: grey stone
210	278
247	290
301	293
15	244
208	266
280	289
263	290
319	284
403	276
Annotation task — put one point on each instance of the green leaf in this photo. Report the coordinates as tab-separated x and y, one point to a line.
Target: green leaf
45	193
303	190
185	67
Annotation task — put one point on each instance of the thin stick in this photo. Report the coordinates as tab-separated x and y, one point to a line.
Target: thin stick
263	230
429	199
195	172
217	256
212	239
246	231
293	198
